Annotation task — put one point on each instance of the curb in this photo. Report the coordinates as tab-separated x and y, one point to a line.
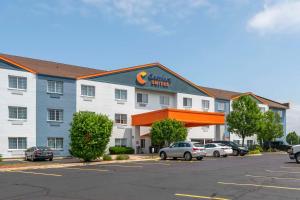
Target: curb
52	166
252	155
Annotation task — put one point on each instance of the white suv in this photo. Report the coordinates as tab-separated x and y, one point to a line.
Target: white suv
294	153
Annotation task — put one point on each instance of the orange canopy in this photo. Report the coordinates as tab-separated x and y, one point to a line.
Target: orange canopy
188	117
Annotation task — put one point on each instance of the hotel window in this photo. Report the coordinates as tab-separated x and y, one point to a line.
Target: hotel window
164	100
55	143
121	142
17	82
88	90
19	113
187	102
120	118
121	94
55	115
205	104
220	106
17	143
142	98
55	87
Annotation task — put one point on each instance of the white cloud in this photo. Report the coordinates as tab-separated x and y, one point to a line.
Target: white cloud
293	118
149	14
277	17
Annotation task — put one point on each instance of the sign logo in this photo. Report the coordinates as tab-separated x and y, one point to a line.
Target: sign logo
140	78
155	80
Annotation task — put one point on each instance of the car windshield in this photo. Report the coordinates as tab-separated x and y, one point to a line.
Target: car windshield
198	145
43	148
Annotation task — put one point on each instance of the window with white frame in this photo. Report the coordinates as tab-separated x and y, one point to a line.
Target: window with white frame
55	115
120	118
187	102
142	98
55	143
19	113
220	106
164	100
205	128
205	104
55	87
88	90
120	142
249	143
17	82
121	94
17	143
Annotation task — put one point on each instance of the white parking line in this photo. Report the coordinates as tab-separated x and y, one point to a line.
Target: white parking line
125	166
262	186
288	172
84	169
35	173
272	177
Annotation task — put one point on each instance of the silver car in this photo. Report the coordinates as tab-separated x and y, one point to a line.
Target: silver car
186	150
217	150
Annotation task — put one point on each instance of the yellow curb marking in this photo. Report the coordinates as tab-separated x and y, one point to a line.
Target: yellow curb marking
35	173
134	166
262	186
82	169
272	177
271	171
200	197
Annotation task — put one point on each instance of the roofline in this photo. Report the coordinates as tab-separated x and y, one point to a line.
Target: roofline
248	93
146	66
283	104
16	64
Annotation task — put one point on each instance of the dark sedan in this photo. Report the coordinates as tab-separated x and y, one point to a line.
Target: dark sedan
39	153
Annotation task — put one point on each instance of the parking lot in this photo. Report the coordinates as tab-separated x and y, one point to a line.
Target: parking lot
257	177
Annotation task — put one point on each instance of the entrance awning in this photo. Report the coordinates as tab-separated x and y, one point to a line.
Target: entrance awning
188	117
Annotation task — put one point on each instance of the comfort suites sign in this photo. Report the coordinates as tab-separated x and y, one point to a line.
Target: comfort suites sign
156	80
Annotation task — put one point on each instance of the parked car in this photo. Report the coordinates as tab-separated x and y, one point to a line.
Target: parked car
39	153
279	145
217	150
237	149
186	150
294	153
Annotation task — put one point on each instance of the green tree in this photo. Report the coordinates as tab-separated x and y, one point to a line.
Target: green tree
244	118
167	131
270	127
89	135
292	138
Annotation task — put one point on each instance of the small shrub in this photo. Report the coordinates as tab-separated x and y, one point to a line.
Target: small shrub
256	147
256	151
121	150
122	157
107	157
0	158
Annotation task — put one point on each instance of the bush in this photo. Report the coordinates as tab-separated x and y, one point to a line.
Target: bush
121	150
256	147
89	135
122	157
254	152
107	157
167	131
0	158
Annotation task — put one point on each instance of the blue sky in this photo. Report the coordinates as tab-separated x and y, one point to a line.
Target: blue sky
241	45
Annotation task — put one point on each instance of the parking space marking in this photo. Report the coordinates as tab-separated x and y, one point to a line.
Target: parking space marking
200	197
272	177
84	169
289	167
34	173
288	172
125	166
261	186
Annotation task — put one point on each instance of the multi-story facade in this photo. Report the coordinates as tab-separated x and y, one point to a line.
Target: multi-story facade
39	98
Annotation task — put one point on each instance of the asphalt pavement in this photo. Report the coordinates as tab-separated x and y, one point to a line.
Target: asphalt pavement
259	177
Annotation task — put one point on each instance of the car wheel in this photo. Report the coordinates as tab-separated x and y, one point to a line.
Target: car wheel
235	153
187	156
297	157
242	154
50	159
216	154
199	158
163	156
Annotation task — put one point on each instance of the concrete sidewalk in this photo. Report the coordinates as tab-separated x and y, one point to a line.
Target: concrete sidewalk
20	164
